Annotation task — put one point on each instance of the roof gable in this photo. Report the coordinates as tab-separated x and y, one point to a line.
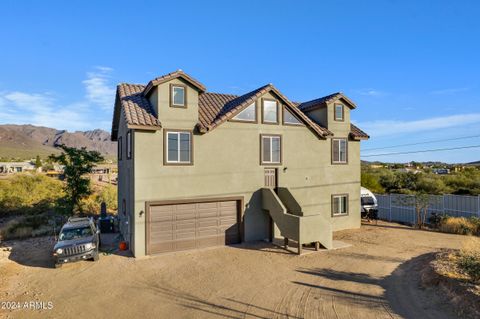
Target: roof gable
323	101
171	76
236	104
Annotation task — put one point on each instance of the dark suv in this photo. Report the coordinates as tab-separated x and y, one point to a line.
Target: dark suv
78	240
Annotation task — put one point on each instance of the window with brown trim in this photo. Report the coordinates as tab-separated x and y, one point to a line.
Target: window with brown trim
339	151
129	144
270	149
290	119
178	147
339	205
119	148
339	112
249	114
269	111
178	95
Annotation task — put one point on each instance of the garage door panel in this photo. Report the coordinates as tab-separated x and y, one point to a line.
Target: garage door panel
185	244
210	222
185	235
194	225
185	225
185	215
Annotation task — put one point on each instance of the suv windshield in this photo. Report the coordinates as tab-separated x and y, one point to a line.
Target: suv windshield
75	233
367	200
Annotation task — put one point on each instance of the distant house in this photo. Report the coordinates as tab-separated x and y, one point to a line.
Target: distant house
16	167
200	169
104	173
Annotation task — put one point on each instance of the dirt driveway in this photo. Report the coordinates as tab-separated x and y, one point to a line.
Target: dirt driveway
377	277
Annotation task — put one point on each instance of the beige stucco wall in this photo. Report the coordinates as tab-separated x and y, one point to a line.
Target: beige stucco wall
226	163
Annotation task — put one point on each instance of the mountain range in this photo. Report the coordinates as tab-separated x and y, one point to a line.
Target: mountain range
28	141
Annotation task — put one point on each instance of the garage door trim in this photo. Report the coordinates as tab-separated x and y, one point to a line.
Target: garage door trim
148	204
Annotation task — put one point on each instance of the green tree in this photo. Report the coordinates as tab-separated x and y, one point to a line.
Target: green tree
38	162
78	163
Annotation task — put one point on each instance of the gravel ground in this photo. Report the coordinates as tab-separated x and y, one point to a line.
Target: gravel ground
376	277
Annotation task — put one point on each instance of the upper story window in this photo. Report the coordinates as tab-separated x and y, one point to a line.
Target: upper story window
178	95
339	151
249	114
289	118
269	111
178	147
339	112
119	148
339	205
129	144
270	149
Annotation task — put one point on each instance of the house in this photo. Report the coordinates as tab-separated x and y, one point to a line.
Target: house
103	173
199	169
16	167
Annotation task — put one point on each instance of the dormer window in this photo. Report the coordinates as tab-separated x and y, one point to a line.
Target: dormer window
178	95
269	111
339	112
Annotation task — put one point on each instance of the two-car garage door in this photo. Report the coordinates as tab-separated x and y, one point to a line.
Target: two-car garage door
191	225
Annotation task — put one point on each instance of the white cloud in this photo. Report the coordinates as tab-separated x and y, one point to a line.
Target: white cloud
99	90
449	91
44	109
371	92
385	128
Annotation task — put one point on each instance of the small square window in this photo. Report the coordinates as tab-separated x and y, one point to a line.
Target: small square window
270	111
339	205
339	114
178	95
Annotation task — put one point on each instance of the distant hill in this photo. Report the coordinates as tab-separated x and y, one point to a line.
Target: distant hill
28	141
477	163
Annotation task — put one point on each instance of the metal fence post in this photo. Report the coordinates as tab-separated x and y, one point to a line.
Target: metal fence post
443	202
478	206
390	207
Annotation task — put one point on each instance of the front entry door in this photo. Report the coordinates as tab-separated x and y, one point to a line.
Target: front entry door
271	178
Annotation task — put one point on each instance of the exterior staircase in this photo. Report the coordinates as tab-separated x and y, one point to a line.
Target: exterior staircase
292	224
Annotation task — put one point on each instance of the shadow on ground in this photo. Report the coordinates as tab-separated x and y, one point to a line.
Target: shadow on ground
403	294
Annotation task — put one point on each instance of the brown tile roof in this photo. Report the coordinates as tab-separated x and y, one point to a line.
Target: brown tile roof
135	105
171	76
358	134
214	108
313	104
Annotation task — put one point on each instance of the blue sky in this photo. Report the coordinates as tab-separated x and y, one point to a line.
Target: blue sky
412	67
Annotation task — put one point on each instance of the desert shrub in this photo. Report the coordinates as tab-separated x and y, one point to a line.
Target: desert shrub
29	194
27	226
469	258
107	194
458	225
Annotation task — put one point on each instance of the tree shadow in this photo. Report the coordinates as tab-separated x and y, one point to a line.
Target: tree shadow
230	308
403	294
